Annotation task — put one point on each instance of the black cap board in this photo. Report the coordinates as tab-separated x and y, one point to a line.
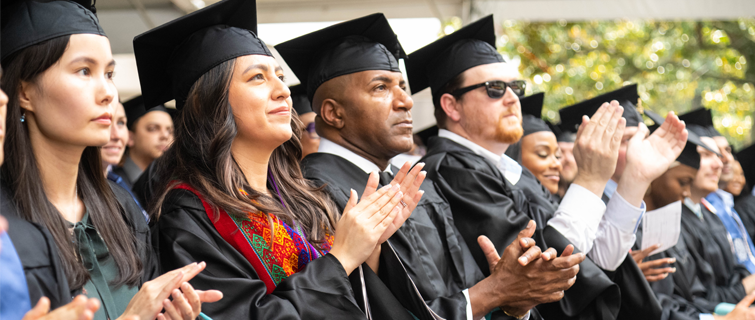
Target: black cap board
135	109
300	100
366	43
701	117
571	116
25	23
532	107
171	57
428	133
439	62
746	158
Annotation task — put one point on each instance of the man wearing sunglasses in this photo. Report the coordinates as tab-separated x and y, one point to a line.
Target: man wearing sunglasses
478	113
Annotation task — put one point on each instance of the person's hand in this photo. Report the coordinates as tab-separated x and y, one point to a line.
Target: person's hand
81	308
187	303
530	277
596	148
648	158
653	270
148	302
363	222
410	182
742	311
749	283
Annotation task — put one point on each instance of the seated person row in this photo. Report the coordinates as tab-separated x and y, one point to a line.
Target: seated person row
58	77
686	294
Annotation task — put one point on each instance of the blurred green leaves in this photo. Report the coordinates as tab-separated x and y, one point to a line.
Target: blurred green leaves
678	65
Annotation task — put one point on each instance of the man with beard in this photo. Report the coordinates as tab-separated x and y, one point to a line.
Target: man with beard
479	117
364	120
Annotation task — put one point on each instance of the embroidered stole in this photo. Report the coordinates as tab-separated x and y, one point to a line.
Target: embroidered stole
274	262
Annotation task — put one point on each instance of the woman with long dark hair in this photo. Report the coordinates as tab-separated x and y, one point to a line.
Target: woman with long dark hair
58	70
233	193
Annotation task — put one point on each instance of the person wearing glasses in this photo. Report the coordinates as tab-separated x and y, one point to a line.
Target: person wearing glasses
364	120
309	138
479	115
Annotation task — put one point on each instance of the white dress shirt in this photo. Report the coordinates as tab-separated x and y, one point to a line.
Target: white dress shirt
330	147
510	169
605	233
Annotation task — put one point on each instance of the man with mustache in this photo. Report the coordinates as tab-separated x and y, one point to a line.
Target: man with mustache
364	120
478	112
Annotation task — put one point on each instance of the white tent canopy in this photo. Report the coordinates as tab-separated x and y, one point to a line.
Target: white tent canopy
416	22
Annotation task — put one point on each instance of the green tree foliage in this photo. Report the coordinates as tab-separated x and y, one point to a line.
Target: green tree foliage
678	65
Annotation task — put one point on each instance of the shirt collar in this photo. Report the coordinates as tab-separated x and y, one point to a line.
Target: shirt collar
610	188
695	207
330	147
131	169
510	169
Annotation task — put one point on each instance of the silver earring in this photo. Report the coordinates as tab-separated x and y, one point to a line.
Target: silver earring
23	117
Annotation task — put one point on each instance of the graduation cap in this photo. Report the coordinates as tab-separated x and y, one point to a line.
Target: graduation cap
703	118
689	155
362	44
746	158
171	57
25	23
532	108
300	100
571	116
135	109
428	133
439	62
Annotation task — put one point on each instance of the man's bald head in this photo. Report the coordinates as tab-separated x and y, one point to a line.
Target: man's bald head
368	111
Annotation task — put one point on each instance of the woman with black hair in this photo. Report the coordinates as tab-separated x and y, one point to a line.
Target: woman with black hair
233	193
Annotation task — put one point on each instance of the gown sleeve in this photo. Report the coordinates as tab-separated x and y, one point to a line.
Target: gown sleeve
321	291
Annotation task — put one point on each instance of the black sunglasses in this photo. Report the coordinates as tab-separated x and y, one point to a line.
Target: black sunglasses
496	89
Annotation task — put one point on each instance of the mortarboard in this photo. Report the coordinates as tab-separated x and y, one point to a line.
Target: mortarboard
28	22
439	62
366	43
300	100
703	118
427	133
746	158
174	55
571	116
532	107
135	109
689	155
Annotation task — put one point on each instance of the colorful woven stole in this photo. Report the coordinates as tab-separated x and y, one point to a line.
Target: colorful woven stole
289	254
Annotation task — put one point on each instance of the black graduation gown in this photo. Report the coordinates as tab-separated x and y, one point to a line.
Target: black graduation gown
745	207
707	241
483	202
321	291
682	294
122	173
38	253
538	196
135	220
432	251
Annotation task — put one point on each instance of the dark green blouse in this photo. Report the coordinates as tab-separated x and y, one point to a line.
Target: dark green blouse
96	258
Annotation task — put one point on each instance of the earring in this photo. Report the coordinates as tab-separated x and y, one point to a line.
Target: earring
23	117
